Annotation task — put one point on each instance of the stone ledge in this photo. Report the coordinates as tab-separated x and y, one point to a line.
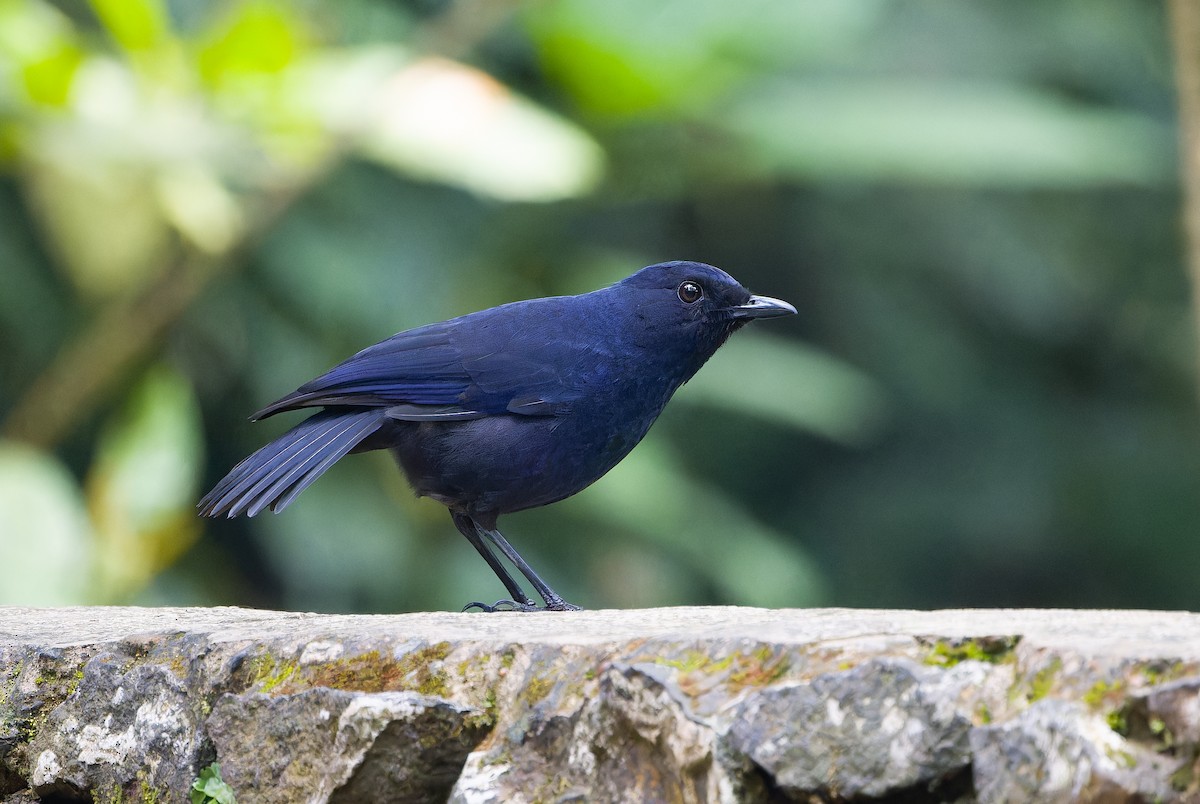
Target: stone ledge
691	704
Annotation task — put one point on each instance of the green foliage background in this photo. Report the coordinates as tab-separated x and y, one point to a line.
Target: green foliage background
988	398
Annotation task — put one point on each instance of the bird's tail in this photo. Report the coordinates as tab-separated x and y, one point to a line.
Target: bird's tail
273	476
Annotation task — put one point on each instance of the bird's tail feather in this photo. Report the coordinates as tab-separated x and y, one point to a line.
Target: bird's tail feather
273	476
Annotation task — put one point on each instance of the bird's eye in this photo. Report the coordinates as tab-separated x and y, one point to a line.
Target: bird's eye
690	292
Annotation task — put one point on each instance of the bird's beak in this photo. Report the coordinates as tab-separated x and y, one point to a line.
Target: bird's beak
762	307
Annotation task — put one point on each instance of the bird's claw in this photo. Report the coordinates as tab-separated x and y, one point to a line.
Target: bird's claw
502	605
555	604
558	604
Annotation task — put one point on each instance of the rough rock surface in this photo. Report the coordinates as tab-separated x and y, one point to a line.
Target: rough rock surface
689	704
341	746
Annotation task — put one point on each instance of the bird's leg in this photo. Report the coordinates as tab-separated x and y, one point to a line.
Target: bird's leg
520	601
554	601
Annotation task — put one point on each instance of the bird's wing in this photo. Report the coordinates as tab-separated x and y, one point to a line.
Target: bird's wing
478	365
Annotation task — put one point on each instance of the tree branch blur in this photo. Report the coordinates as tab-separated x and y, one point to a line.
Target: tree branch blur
88	368
1185	35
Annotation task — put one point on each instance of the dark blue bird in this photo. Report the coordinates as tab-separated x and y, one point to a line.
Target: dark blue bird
508	408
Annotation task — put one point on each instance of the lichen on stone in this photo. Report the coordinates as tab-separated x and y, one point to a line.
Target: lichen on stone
990	649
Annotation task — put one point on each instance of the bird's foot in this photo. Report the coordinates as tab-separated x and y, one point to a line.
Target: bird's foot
554	604
503	605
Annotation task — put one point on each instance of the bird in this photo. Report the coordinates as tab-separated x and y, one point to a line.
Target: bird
505	409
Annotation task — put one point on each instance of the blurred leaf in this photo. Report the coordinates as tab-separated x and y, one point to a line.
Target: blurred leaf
256	37
40	44
10	136
107	182
44	534
48	80
448	122
958	133
135	24
601	80
790	384
142	485
763	32
200	207
107	228
752	565
620	58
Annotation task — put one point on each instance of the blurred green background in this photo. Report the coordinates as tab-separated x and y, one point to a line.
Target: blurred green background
988	398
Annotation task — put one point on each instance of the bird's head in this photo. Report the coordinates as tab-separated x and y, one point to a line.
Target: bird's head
691	308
